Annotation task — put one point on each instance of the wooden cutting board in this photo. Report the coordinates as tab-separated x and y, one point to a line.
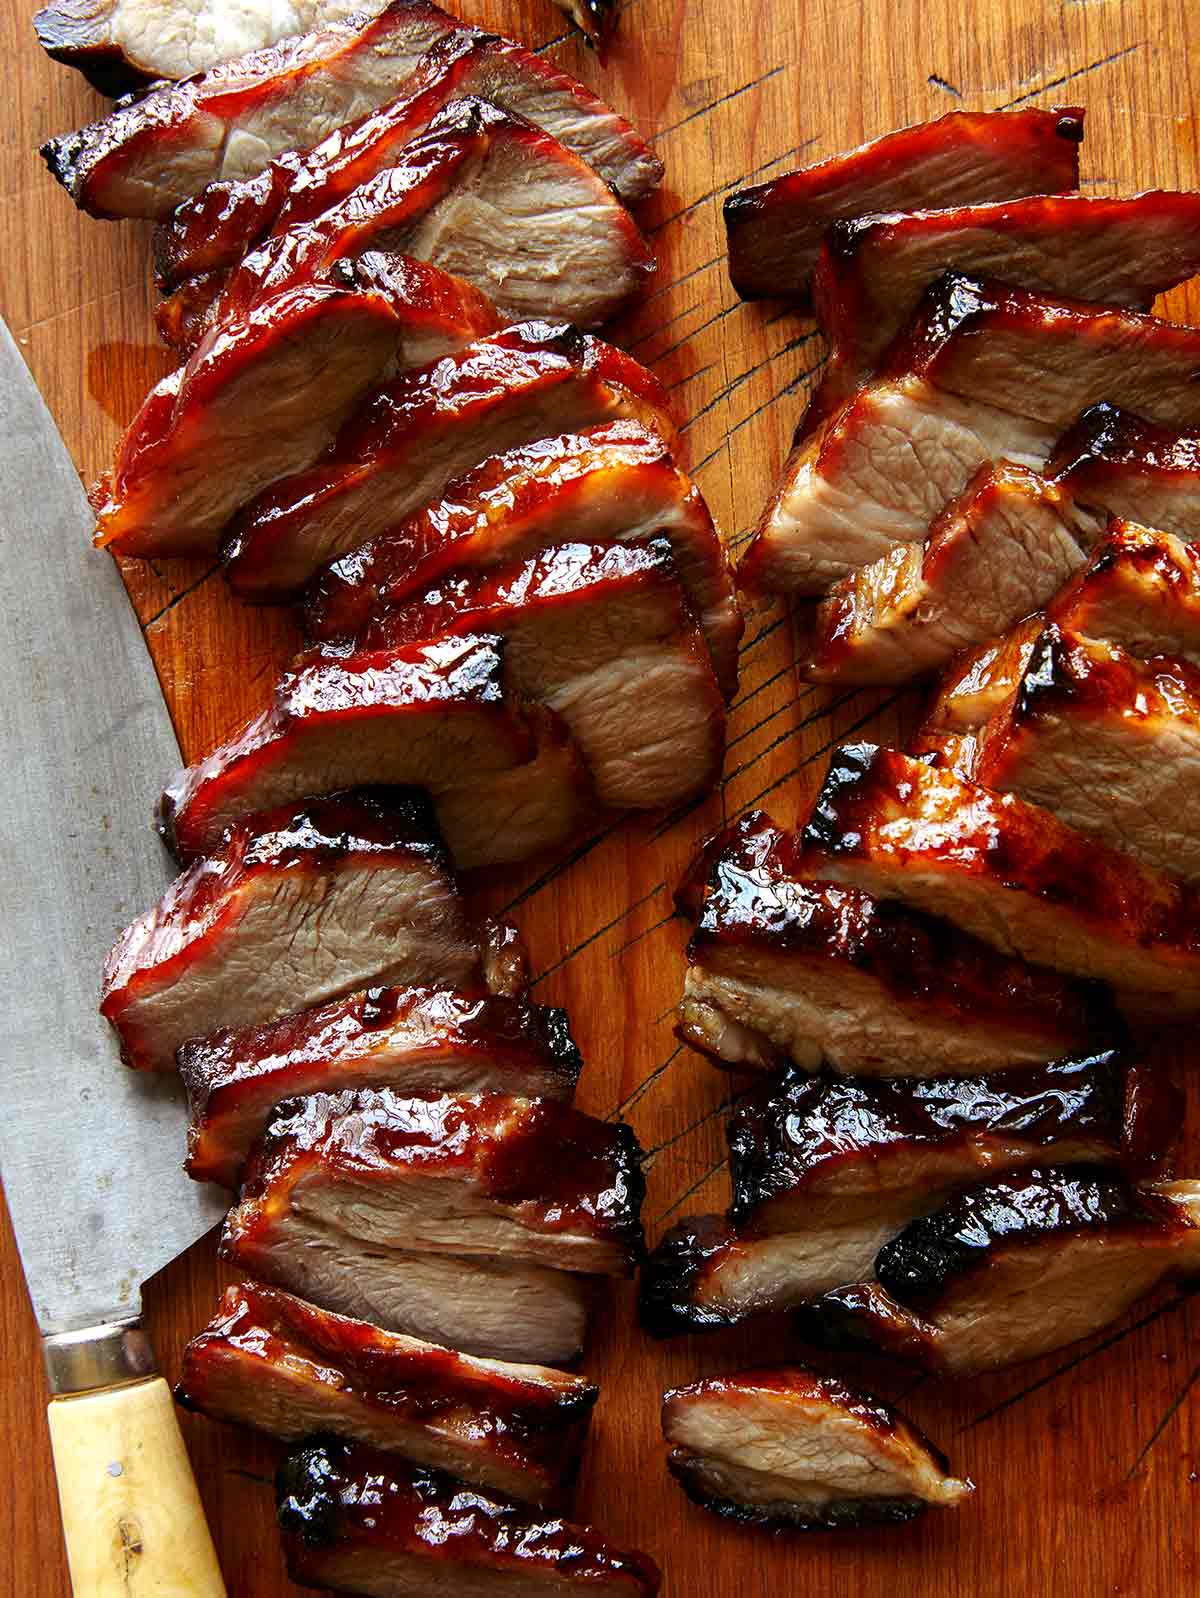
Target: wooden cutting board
1088	1463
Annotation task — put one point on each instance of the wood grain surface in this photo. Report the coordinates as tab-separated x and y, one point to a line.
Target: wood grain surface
1087	1464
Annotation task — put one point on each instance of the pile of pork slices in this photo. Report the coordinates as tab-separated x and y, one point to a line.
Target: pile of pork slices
951	981
381	247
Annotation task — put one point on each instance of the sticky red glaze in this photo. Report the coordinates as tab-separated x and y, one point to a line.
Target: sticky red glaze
551	1167
759	894
498	387
524	1417
458	678
403	1038
377	826
775	228
1107	443
344	1508
1146	583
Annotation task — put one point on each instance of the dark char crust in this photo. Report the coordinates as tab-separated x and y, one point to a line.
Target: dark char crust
838	1515
668	1301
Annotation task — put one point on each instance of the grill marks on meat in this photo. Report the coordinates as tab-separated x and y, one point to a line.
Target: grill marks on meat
293	908
244	410
415	435
1000	550
145	158
603	636
505	784
1016	1269
1131	468
611	484
873	270
274	1363
787	1448
412	1040
360	1522
1007	872
775	229
785	967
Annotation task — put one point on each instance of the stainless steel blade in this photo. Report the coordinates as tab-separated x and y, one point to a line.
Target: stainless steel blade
90	1153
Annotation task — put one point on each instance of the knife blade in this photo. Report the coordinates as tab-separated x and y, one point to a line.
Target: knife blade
90	1152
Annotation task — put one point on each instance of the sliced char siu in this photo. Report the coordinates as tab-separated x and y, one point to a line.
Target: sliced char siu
1106	742
1007	872
604	637
612	484
296	906
224	220
984	372
999	550
359	1521
482	194
873	270
787	1448
284	1367
975	687
1131	468
148	156
506	783
1015	1269
964	158
825	1171
244	410
413	1040
416	435
784	967
1140	590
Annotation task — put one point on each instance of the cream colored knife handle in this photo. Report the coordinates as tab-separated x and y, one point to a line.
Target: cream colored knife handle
132	1516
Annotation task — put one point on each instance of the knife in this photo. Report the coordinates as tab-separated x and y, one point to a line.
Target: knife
90	1152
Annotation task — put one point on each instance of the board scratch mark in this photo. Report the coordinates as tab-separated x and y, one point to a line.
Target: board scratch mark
599	933
556	870
762	687
183	593
1168	1416
662	326
724	99
656	1149
734	183
695	1188
638	936
816	754
744	377
647	1082
1068	77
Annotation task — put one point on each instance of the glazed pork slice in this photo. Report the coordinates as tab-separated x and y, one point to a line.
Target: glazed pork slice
873	270
1132	468
787	1448
775	229
603	636
1140	590
785	967
416	435
1016	1269
1007	872
997	552
149	155
611	484
412	1040
975	687
244	410
435	714
272	1362
295	907
487	1174
361	1522
1106	742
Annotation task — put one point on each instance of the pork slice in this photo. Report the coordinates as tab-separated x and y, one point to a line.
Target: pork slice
874	475
293	908
530	1181
1016	1269
1106	742
873	270
998	551
973	689
1140	590
611	484
147	157
416	435
602	635
244	410
1008	872
272	1362
775	228
412	1040
786	1447
432	714
783	967
362	1522
1132	468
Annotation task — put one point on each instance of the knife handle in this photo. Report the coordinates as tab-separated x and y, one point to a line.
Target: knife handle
133	1520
